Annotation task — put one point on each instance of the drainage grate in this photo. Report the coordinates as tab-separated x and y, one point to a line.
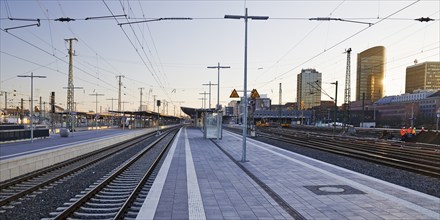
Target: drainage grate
333	190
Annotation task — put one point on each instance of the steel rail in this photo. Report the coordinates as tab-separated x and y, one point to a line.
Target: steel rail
72	162
411	154
144	179
399	163
422	164
399	152
425	153
90	194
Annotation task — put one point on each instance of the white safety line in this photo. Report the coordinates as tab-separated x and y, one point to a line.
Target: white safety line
360	186
149	207
195	203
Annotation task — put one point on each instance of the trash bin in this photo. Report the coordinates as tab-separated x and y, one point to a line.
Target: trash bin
64	132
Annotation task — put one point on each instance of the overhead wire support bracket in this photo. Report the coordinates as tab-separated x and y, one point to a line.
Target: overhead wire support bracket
23	26
102	17
422	19
63	19
338	19
157	19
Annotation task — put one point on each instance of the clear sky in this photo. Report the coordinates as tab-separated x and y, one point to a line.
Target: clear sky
169	58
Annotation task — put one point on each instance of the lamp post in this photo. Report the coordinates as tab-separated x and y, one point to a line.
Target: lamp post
204	99
32	76
336	106
96	111
245	17
210	84
218	67
158	117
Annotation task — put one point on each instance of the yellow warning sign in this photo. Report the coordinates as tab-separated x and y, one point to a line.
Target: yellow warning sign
254	94
234	94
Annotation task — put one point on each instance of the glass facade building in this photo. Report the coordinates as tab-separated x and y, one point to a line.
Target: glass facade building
422	76
370	74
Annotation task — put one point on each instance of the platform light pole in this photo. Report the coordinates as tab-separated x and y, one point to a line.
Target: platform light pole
336	106
218	67
140	102
96	94
113	119
245	17
210	84
32	76
204	99
158	117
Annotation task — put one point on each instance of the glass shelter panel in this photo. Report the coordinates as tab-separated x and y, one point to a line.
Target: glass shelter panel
213	125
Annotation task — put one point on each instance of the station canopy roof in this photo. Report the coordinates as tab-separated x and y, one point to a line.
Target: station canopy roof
144	114
193	112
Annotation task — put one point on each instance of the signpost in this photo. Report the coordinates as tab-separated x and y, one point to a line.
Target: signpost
158	117
234	94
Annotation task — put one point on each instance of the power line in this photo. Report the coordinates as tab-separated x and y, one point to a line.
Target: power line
39	48
154	44
152	70
340	42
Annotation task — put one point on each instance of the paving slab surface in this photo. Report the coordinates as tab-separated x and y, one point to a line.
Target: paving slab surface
199	181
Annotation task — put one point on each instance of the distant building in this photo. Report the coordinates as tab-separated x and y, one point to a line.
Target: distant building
262	103
288	106
235	107
370	74
324	112
229	111
422	76
418	109
291	105
308	89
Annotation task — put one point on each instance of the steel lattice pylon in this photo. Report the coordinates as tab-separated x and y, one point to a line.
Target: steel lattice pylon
70	87
347	93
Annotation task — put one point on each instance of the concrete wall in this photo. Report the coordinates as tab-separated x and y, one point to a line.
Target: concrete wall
14	167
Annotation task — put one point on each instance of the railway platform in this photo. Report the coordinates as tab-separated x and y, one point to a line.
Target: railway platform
25	147
21	157
205	179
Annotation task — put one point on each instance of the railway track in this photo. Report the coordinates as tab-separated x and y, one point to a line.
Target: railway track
13	190
421	159
21	186
120	194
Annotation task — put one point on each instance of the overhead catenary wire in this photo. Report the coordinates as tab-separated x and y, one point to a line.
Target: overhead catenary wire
143	41
342	41
131	42
46	13
154	44
47	66
147	45
50	54
152	70
302	39
126	35
155	77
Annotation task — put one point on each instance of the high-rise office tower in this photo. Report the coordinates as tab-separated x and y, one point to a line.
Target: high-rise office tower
423	76
308	89
370	74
